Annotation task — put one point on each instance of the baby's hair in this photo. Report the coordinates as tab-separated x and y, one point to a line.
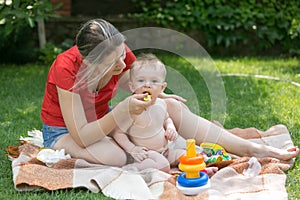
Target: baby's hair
150	60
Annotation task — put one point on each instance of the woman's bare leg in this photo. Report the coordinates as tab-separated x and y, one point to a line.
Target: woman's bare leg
105	152
251	133
246	133
190	125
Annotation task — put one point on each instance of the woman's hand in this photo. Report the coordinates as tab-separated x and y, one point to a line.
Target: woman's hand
173	96
137	105
125	112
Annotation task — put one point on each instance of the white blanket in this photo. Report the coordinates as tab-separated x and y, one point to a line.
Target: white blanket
228	183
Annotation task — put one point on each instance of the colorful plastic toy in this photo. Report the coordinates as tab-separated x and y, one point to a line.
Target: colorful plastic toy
192	181
213	153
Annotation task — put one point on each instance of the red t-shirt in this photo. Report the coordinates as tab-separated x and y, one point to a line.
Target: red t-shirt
63	74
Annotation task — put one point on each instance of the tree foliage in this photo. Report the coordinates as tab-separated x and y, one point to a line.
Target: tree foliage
227	23
17	19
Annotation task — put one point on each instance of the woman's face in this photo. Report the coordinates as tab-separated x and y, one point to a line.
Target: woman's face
113	64
115	61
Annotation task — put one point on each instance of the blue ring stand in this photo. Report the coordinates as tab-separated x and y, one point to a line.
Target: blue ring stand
192	182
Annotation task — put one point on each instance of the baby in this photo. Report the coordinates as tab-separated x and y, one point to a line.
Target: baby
148	138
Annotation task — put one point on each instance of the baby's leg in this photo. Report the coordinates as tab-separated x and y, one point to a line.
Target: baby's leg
154	160
174	155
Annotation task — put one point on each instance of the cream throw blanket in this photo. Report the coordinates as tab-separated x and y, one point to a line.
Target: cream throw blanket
228	183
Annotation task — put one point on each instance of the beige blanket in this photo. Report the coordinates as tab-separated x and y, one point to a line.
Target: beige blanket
228	183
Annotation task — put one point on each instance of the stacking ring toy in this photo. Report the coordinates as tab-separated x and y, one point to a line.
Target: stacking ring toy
192	182
191	160
191	163
192	168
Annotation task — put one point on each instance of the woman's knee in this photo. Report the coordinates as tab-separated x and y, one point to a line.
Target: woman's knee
173	104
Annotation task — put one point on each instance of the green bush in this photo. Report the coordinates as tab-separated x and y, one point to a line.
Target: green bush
18	18
19	47
49	52
266	23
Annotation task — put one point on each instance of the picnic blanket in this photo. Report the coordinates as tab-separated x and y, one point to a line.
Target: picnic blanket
230	182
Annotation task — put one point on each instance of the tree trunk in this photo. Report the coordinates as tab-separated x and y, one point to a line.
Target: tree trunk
41	33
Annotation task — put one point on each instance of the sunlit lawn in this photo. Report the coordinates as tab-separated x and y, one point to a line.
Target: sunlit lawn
250	101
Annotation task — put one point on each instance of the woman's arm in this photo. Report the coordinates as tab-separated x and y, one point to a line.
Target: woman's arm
163	95
85	133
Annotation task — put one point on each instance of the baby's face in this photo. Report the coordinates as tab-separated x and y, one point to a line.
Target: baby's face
148	80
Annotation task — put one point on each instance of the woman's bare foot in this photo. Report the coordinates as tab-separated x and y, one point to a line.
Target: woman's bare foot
293	152
285	154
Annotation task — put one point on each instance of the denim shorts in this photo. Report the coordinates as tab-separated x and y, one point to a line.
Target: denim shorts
51	134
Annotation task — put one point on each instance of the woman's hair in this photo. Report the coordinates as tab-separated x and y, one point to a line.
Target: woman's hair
148	60
94	32
95	40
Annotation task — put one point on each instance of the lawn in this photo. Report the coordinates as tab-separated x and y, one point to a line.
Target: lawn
251	101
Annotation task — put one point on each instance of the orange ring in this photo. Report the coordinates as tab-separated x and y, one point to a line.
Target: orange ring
191	168
191	160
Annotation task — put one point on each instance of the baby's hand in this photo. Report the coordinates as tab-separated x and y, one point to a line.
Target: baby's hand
139	153
171	134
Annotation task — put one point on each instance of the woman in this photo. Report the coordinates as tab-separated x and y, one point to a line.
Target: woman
81	81
76	115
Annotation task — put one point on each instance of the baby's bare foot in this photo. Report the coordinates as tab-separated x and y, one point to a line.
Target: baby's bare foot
211	171
175	171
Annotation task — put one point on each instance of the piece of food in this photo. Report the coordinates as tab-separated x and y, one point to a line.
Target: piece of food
148	97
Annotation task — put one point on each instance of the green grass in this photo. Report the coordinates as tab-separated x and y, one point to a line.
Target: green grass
250	102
